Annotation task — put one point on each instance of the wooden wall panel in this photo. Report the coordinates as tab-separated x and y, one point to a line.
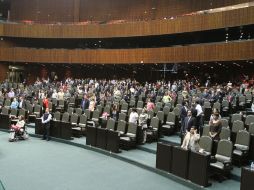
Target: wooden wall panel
3	71
232	18
1	30
104	10
195	53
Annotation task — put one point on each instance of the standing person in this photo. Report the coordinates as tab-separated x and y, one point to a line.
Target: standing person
22	103
188	122
215	126
183	113
45	102
133	116
45	119
142	122
199	117
85	103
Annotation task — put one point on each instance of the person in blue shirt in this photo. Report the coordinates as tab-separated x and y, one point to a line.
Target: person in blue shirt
14	104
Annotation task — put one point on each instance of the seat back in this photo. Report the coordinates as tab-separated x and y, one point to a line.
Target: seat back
224	122
171	117
70	110
216	105
66	117
96	114
225	104
122	116
168	105
132	103
50	104
243	138
37	109
5	111
242	99
206	142
121	126
160	115
251	129
74	118
150	113
124	106
225	133
14	112
236	117
176	110
22	112
99	108
30	108
140	104
111	124
132	128
61	103
207	105
88	113
166	110
155	122
78	111
57	116
249	119
83	119
237	126
72	100
224	151
206	130
7	103
107	109
159	104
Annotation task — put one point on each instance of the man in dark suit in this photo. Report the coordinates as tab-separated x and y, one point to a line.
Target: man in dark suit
183	112
85	103
189	122
22	103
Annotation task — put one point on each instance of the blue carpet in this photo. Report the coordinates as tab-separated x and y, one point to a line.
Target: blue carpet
38	165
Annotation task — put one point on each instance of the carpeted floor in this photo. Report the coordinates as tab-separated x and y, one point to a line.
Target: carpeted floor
38	165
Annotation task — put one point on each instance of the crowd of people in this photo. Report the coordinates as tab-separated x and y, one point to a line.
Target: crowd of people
93	92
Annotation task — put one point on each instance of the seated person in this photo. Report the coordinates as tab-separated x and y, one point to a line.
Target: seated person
19	125
14	104
215	126
191	140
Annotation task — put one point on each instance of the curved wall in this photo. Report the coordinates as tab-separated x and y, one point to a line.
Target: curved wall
195	53
225	19
105	10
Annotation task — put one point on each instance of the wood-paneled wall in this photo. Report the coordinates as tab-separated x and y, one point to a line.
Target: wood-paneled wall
3	71
194	53
104	10
237	17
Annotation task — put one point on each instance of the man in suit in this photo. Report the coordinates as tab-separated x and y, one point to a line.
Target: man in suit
22	103
188	123
85	103
45	120
183	113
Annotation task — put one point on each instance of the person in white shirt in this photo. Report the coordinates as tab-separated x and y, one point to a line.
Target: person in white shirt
133	116
199	117
54	95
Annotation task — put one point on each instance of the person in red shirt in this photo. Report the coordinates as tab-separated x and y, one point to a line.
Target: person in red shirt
45	103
